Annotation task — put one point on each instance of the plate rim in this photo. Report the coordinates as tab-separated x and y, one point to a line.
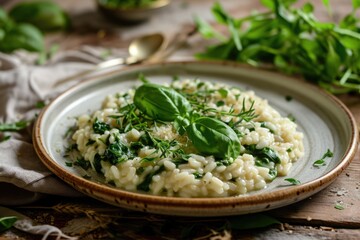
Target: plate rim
151	203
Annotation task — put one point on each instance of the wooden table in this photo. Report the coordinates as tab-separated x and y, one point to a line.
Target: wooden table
313	218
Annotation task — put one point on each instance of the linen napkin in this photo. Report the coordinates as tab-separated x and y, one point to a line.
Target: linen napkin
23	177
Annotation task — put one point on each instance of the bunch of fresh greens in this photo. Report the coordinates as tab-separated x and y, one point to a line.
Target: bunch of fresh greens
126	3
292	40
22	27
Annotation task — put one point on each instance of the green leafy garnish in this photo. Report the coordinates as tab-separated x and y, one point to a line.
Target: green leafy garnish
12	127
321	162
145	184
339	206
292	40
100	127
264	157
7	222
293	181
209	135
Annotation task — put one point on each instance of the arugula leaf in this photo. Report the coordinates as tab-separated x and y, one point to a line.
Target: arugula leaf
321	161
293	181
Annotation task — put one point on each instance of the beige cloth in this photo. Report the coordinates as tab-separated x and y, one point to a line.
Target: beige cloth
23	177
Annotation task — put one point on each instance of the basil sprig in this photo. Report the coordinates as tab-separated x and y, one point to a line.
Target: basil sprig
209	135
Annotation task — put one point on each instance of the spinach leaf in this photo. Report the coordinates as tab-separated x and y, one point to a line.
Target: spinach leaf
214	137
264	157
116	153
100	127
161	103
10	127
47	16
145	184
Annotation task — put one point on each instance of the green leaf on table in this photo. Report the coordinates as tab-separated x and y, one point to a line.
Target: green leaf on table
23	36
252	221
12	127
7	222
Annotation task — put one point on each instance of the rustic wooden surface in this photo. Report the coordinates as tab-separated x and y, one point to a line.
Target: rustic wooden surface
313	218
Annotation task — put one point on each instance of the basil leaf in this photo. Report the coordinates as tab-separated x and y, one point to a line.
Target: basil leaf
214	137
7	222
252	221
47	16
161	103
23	36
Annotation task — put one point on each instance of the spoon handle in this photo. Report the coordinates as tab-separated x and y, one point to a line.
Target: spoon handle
103	65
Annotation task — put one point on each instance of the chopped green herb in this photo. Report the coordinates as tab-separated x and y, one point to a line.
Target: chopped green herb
7	222
291	117
82	163
321	162
90	142
198	175
339	206
5	138
69	164
288	98
40	104
293	181
223	92
220	103
145	184
100	127
264	157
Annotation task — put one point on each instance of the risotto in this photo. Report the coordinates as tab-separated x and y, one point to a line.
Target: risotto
221	141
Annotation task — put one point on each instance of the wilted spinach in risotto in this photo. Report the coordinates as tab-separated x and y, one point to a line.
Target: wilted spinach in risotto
189	138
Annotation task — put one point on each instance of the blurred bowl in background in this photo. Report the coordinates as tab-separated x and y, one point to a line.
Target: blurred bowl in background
130	15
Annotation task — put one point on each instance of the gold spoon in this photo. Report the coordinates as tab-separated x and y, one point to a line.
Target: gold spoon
140	49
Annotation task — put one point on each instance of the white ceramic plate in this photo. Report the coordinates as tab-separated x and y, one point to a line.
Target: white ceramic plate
325	121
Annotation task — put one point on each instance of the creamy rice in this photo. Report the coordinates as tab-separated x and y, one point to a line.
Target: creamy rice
197	175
